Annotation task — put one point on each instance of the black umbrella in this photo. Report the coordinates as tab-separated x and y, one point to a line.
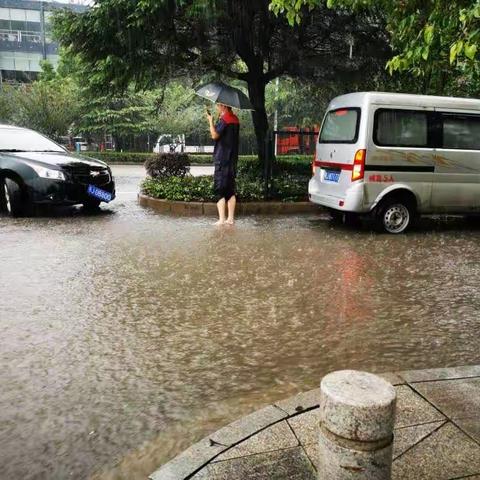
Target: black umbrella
219	92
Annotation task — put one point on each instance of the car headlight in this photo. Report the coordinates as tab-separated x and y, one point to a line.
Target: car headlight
49	173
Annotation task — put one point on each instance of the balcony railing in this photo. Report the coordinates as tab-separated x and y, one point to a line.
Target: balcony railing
20	36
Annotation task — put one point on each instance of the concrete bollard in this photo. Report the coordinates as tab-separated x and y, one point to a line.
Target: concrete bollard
357	414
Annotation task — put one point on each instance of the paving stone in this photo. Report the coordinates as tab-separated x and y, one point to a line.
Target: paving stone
412	409
455	398
188	461
302	401
440	373
403	440
312	452
471	426
291	464
446	454
276	437
305	426
392	378
247	426
408	436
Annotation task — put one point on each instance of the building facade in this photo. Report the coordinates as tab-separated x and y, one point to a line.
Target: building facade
25	38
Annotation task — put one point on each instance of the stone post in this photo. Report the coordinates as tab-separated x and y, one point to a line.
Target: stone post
357	413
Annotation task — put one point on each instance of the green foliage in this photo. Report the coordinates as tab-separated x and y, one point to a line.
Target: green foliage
292	9
187	189
290	181
166	165
120	157
436	40
128	113
48	105
120	43
291	188
200	189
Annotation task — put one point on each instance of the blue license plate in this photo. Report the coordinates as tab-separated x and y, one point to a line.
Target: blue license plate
331	176
98	193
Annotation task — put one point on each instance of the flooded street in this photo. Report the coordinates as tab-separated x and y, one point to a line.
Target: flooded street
127	335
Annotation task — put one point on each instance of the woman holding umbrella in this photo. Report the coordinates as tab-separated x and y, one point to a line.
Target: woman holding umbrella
226	135
225	153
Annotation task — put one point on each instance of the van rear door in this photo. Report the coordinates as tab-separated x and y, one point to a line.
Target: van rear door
335	151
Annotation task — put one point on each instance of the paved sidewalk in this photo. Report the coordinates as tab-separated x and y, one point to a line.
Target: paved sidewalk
437	435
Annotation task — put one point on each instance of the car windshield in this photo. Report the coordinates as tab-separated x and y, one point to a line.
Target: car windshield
20	140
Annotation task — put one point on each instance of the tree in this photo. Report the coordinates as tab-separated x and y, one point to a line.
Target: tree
437	40
147	42
47	105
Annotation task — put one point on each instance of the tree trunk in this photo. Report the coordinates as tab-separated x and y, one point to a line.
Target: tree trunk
256	92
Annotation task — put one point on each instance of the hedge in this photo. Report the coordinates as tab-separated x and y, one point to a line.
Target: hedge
119	157
287	188
299	164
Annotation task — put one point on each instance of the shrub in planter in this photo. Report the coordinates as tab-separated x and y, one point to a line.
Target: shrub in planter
166	165
200	189
291	188
185	189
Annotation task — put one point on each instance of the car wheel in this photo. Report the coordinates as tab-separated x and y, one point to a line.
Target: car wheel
394	215
13	200
91	205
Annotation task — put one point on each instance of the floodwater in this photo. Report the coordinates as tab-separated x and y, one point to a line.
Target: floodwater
127	335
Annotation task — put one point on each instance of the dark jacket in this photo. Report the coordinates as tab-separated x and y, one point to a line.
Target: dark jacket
225	152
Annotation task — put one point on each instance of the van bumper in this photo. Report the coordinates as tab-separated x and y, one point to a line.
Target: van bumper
351	201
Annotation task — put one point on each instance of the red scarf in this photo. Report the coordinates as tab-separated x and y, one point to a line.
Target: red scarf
230	118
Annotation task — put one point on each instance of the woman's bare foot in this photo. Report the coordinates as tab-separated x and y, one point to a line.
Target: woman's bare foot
219	222
229	221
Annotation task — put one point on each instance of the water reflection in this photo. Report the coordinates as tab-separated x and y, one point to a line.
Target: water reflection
132	334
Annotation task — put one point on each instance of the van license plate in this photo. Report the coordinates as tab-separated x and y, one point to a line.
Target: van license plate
331	176
98	193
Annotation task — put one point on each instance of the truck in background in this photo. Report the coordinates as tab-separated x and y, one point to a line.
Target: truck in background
168	143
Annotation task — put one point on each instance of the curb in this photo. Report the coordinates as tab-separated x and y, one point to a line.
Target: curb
210	208
192	460
185	465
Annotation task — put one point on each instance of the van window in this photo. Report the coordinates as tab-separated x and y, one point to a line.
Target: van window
461	132
340	126
401	128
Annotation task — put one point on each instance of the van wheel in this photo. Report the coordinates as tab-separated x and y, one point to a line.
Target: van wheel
13	201
394	215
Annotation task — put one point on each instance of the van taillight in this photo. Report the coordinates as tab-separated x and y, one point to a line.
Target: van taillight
313	164
359	165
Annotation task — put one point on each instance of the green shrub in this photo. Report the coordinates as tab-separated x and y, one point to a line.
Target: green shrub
248	164
120	157
188	189
291	188
164	165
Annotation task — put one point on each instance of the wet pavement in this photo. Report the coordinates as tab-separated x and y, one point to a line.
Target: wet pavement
128	335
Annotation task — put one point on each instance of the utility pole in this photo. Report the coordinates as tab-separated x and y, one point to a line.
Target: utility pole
42	27
275	118
351	42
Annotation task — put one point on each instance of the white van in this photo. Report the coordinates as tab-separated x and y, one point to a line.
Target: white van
395	156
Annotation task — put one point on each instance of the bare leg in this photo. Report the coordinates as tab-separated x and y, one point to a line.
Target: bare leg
232	202
221	212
